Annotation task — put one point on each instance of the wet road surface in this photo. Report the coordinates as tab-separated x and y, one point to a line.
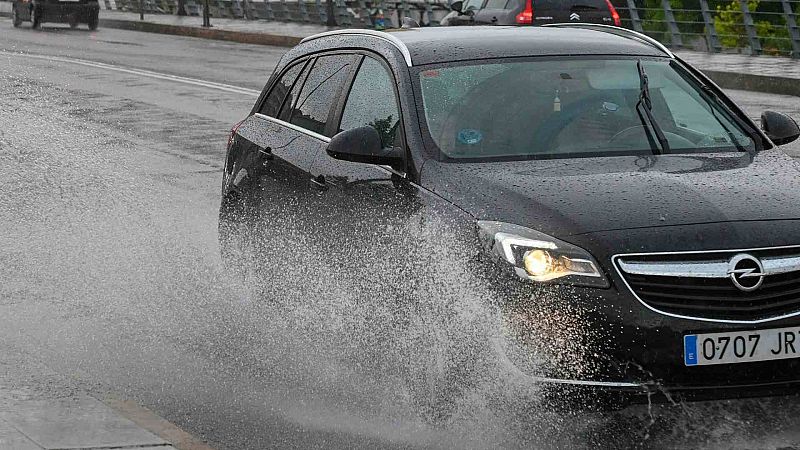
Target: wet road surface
110	160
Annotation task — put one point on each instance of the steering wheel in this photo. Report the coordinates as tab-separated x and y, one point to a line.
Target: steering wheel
635	135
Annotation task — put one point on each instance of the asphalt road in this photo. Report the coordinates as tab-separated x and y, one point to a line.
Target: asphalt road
110	279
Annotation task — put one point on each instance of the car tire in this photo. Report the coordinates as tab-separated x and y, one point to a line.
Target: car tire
94	20
36	14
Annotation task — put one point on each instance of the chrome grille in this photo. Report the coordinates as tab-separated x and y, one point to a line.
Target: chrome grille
699	284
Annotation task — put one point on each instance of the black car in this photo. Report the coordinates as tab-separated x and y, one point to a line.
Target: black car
637	232
531	12
73	12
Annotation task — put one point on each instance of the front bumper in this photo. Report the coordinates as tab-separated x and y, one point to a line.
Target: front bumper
605	343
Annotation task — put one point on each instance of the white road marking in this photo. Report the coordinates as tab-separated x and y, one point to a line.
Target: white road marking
141	72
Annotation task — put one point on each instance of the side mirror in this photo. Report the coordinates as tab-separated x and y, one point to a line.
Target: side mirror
457	6
363	145
779	127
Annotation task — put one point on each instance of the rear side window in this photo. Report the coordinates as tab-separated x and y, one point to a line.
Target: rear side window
496	4
320	91
571	5
272	103
372	102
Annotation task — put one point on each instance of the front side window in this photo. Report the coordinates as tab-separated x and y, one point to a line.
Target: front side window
570	107
320	91
372	102
273	102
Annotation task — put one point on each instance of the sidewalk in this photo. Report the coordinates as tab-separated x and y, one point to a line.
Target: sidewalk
30	422
769	74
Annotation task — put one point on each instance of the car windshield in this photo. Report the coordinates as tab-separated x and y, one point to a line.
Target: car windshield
568	107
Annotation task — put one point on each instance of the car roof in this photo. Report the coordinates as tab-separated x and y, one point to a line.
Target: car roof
430	45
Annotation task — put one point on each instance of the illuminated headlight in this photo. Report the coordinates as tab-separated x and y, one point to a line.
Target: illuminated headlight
541	258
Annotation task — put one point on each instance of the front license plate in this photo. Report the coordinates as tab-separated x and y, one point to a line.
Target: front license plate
740	347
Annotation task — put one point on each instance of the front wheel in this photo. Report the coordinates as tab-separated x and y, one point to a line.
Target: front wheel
94	19
15	20
36	21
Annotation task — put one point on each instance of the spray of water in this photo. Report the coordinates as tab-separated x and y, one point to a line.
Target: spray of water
110	261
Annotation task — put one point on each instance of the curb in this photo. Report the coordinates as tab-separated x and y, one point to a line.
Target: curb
155	424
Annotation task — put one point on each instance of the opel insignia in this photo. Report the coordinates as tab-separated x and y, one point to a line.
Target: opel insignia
641	231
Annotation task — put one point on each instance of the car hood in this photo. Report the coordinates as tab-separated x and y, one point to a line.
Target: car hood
563	197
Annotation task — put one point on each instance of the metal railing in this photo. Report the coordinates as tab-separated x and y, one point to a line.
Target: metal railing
349	13
753	27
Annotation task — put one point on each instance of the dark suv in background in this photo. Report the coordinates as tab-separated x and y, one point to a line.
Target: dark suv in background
531	12
72	12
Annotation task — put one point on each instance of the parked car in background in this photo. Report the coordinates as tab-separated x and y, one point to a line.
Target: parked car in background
73	12
531	12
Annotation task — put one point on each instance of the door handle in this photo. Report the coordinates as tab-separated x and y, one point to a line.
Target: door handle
319	182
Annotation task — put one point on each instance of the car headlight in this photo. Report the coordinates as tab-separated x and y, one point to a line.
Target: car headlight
538	257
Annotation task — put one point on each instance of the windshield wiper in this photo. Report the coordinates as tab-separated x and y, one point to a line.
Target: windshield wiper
644	107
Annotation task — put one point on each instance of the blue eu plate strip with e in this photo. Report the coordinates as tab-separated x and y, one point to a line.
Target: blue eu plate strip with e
690	349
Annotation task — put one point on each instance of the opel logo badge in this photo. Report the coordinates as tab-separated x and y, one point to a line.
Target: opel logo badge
746	272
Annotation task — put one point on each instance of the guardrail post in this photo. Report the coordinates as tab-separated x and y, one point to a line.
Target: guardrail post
364	14
791	23
301	5
285	11
636	21
711	31
206	14
750	27
320	11
341	12
236	9
247	10
429	13
268	13
674	31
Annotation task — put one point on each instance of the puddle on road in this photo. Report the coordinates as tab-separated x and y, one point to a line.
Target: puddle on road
103	226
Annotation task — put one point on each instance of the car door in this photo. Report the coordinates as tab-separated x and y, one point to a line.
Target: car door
366	208
273	153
